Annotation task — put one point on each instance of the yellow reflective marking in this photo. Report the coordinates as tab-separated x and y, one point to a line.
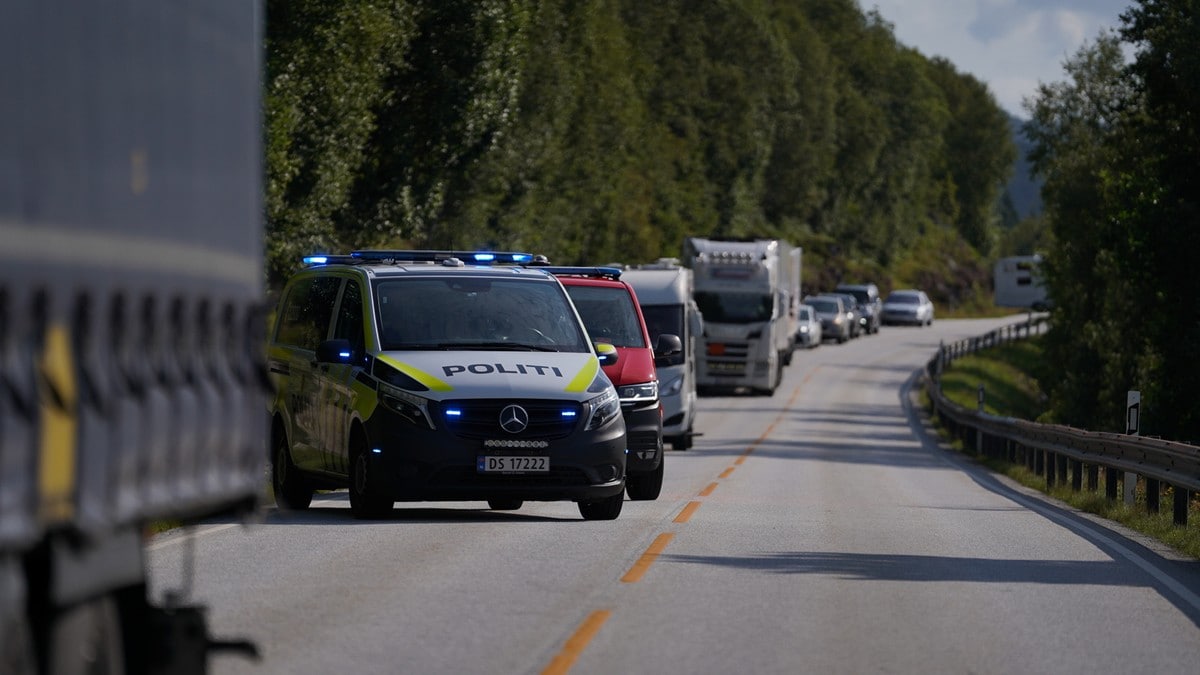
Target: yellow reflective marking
59	394
583	379
417	374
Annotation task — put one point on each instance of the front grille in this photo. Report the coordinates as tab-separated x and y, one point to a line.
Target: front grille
479	419
726	368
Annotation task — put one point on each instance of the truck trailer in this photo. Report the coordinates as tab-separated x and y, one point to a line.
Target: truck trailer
133	387
748	292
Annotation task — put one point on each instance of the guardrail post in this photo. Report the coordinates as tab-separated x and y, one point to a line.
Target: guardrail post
1093	477
1182	497
1061	465
1153	493
1051	470
1076	475
1111	476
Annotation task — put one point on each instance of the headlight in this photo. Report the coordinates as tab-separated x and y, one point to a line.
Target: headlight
804	329
838	319
673	387
604	408
633	393
411	407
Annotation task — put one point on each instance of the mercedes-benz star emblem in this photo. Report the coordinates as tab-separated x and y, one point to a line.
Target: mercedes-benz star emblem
514	419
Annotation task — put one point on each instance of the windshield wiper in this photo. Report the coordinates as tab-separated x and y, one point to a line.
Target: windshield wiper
506	346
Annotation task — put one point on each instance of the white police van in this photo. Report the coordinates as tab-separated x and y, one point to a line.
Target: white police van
440	376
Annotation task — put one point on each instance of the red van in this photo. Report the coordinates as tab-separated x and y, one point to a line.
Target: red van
610	313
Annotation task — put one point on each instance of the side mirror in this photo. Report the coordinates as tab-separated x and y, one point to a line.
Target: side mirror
335	351
665	347
606	353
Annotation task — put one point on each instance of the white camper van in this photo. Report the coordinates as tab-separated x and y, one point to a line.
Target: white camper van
664	291
1018	283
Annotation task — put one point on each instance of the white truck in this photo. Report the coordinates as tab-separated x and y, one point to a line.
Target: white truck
748	292
664	292
1018	283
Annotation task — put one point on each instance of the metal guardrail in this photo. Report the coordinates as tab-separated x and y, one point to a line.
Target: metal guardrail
1062	453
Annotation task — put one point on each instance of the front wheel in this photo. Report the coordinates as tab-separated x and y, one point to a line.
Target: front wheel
292	491
605	509
367	497
646	486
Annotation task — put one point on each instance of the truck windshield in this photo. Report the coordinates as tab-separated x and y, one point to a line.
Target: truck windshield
733	307
476	313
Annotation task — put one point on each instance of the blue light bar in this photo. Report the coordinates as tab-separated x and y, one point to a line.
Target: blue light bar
598	272
485	257
316	260
480	257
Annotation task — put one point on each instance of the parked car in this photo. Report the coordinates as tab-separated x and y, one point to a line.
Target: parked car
832	313
808	334
870	305
853	313
909	306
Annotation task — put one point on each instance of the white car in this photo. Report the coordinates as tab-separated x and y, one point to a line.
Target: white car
808	334
909	306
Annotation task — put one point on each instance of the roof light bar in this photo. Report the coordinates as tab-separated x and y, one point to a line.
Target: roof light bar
599	272
477	257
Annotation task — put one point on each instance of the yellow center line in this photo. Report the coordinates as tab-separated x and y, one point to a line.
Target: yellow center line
643	564
726	472
687	512
708	490
577	643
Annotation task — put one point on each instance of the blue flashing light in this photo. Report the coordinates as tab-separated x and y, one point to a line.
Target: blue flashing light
568	413
485	257
377	451
316	259
453	412
344	355
522	257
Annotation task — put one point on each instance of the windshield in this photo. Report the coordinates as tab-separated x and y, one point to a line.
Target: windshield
476	313
802	313
609	314
733	307
824	305
902	299
860	295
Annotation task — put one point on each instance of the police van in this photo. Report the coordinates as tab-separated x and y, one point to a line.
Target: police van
440	376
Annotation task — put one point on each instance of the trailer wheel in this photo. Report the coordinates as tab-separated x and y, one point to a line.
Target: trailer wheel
87	639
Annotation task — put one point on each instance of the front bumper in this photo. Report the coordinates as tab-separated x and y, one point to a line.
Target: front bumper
644	436
421	464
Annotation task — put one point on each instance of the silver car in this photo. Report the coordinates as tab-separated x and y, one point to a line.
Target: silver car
808	334
909	306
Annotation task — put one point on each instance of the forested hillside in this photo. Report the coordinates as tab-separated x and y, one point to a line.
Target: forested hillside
1118	145
608	130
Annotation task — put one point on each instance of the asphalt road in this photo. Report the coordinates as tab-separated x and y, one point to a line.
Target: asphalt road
820	530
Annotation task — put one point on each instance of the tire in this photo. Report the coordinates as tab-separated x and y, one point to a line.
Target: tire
646	486
367	500
87	639
505	504
683	441
605	509
292	491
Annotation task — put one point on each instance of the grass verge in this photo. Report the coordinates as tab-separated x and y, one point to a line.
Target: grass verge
1011	389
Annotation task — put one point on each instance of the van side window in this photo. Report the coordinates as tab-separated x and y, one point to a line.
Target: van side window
306	313
350	317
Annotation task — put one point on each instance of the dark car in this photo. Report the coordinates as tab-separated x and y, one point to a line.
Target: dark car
870	306
853	313
441	376
832	312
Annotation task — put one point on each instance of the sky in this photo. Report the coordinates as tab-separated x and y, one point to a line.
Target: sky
1010	45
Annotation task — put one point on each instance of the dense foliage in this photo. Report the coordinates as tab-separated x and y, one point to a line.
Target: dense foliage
1118	146
608	130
